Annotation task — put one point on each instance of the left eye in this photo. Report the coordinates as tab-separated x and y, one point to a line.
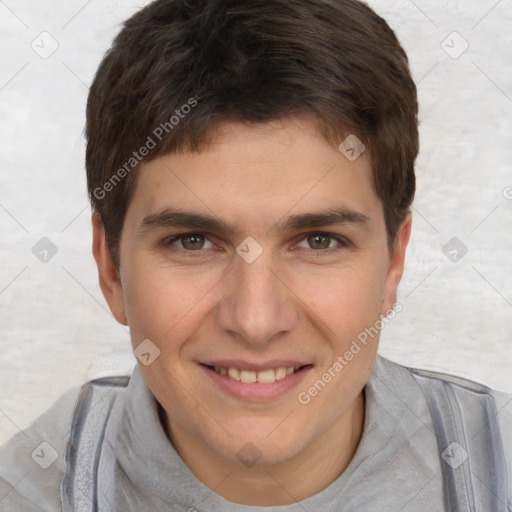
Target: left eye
319	241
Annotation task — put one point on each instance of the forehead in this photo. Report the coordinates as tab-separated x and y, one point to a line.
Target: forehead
258	173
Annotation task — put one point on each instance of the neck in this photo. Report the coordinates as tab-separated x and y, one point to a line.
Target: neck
293	480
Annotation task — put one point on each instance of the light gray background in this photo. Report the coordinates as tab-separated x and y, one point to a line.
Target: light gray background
56	329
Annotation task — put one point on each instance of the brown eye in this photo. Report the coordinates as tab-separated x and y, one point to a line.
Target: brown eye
323	242
188	242
319	241
192	242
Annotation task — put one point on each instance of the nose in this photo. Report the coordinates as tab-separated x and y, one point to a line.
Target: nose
258	305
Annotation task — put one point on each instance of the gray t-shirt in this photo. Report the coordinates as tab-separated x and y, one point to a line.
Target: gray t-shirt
396	467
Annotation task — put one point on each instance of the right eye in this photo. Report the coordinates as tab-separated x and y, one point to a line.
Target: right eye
187	242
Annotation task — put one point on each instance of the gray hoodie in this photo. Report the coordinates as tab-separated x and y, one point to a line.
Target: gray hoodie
396	467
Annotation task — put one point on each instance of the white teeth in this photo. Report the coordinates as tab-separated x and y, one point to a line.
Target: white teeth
249	376
266	376
281	373
234	373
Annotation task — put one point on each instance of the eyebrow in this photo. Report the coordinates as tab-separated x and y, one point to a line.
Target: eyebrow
174	217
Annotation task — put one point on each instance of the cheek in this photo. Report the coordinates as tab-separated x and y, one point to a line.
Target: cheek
347	300
163	304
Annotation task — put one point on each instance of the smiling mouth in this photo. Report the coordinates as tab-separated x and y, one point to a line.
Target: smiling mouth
263	377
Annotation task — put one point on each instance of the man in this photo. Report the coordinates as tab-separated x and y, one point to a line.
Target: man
251	171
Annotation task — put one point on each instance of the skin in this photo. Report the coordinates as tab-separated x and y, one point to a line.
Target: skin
302	299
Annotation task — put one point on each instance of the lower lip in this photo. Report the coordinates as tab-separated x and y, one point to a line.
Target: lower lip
256	390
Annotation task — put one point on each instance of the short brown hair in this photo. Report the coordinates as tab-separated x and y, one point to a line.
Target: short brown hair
249	61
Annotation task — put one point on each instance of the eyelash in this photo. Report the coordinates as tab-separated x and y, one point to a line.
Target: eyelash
344	243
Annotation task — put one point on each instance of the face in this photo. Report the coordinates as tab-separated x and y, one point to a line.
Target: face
264	251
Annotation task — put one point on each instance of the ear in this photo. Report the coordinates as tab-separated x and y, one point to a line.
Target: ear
396	265
109	281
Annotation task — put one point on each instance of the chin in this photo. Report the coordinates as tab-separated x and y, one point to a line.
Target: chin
251	449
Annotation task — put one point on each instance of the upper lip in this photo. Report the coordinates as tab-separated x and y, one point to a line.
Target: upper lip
255	367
